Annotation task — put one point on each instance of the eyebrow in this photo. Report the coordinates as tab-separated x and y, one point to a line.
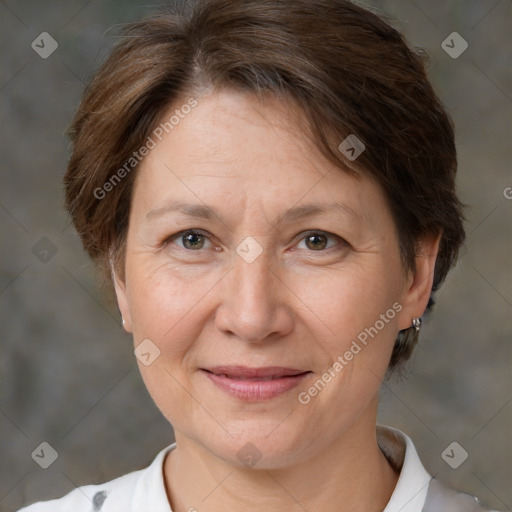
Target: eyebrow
202	211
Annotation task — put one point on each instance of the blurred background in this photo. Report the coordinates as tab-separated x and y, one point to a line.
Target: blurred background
67	371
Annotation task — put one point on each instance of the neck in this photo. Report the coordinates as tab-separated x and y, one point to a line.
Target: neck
352	474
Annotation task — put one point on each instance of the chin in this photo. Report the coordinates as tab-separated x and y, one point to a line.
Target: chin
259	444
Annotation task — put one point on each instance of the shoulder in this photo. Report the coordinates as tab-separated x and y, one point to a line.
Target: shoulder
443	499
121	494
92	497
416	489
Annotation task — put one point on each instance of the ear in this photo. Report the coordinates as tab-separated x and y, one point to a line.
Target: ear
122	300
419	282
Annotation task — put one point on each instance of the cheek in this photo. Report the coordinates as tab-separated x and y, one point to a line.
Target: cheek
164	310
163	305
168	304
358	310
349	300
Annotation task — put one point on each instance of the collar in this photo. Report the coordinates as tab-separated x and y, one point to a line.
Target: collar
409	494
411	489
150	487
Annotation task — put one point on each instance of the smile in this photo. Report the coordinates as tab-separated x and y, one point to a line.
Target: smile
254	384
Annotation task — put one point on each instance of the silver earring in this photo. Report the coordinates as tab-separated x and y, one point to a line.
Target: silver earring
124	321
416	323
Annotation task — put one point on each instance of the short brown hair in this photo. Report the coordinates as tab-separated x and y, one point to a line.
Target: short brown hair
347	69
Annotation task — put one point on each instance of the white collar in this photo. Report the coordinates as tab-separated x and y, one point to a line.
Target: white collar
411	489
408	496
150	493
145	489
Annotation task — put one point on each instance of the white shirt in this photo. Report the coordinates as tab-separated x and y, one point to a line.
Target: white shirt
144	490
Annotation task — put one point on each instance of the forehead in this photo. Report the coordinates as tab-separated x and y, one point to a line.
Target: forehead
227	126
235	149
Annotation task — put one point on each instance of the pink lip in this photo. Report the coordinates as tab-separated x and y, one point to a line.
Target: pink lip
255	384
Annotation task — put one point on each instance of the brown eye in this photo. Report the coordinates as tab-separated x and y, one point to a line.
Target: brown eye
318	241
191	240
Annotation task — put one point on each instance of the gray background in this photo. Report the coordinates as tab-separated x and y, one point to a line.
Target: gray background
68	374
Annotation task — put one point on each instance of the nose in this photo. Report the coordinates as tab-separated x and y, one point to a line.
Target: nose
255	303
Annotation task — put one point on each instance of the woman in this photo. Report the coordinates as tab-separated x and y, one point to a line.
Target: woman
270	187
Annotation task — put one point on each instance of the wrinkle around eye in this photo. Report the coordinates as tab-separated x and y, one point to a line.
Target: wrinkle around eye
335	243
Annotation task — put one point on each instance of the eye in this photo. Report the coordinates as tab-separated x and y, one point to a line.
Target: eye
192	240
318	240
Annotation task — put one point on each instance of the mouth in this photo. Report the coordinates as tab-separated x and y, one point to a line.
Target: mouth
254	384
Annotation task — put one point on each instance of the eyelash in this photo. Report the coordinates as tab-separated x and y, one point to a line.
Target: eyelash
166	241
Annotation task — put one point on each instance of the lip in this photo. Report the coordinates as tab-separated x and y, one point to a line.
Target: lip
255	384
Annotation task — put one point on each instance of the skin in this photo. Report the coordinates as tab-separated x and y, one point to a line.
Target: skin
296	305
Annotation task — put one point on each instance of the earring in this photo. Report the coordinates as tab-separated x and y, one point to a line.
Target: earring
416	323
124	321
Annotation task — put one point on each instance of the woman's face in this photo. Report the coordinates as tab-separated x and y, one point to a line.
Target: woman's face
291	266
